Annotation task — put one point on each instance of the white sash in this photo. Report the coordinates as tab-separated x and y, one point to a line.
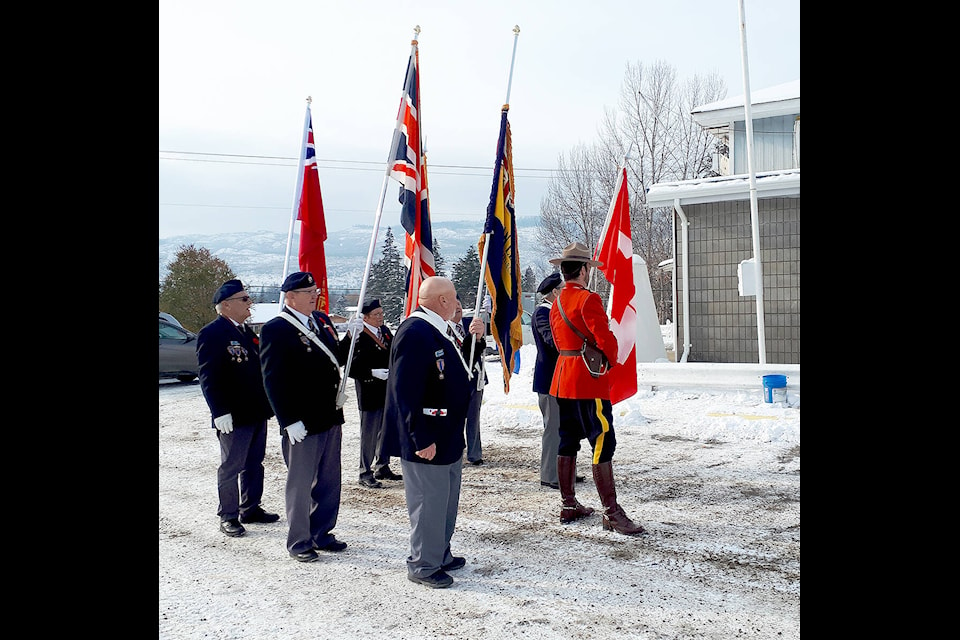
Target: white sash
420	314
310	334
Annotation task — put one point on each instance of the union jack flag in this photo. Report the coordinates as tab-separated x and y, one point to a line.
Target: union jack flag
409	168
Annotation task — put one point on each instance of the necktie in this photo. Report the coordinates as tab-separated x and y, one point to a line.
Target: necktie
311	325
456	339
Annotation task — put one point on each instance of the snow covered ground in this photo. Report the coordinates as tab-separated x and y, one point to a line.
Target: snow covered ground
714	476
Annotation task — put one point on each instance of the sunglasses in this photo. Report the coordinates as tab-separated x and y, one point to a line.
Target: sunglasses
241	298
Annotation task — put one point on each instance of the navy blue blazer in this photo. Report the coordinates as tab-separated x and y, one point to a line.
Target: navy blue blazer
230	373
368	355
300	379
428	394
547	353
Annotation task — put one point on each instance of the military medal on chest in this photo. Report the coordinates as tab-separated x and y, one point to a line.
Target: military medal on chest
237	351
440	363
305	340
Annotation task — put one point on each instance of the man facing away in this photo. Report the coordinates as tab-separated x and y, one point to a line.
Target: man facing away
229	357
301	358
583	399
543	367
428	391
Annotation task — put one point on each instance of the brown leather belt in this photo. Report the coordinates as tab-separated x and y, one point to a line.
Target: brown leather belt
567	352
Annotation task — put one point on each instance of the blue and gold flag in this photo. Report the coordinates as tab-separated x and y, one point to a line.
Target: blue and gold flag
502	271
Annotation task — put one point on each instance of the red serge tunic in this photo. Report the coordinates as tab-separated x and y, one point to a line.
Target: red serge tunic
584	308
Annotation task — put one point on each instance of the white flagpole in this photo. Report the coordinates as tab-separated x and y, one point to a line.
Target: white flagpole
754	212
296	196
486	243
341	395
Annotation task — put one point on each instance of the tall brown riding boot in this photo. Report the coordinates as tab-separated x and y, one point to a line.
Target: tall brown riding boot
566	474
614	519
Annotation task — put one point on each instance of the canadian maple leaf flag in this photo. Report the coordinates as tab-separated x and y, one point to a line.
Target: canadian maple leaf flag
615	251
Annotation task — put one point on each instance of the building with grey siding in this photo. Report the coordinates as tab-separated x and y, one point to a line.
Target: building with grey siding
714	299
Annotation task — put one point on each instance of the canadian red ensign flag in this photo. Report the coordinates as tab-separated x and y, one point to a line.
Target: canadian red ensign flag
615	251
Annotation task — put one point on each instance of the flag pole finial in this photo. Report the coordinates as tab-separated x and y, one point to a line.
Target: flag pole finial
416	34
309	100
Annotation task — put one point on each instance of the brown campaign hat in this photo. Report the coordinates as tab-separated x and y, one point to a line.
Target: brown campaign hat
576	252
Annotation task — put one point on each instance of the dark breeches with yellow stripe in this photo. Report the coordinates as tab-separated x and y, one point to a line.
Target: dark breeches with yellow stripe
591	419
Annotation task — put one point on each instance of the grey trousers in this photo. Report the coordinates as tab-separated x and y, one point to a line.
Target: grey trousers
313	488
474	448
433	499
240	474
550	441
371	443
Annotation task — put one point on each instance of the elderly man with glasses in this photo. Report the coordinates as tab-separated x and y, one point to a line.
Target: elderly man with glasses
229	356
301	357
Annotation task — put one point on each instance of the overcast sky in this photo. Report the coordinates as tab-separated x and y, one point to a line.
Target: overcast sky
234	77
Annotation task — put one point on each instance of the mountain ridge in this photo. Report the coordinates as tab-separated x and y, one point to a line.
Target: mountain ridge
257	257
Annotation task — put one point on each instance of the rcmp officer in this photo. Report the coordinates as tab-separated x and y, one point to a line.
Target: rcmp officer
301	358
369	368
584	399
428	391
230	379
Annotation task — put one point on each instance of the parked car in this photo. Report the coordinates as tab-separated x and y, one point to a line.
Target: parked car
178	353
169	318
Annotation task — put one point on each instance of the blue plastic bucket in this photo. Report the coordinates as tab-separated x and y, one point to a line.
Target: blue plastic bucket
774	388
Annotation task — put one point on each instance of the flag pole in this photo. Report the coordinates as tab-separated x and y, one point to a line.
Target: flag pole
606	223
486	242
296	196
341	395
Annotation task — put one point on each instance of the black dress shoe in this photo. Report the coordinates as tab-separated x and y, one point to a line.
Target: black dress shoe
371	483
232	528
476	463
305	556
579	479
552	485
335	546
457	563
386	474
439	580
258	515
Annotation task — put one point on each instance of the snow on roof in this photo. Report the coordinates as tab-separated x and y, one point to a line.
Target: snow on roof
770	184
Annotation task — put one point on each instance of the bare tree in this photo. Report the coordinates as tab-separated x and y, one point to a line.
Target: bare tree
653	123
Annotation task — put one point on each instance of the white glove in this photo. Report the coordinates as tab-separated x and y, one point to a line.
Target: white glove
354	326
296	432
224	423
379	374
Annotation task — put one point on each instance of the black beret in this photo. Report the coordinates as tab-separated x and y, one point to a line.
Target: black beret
298	280
549	283
227	289
370	305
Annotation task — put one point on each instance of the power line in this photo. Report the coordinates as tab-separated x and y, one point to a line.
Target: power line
373	165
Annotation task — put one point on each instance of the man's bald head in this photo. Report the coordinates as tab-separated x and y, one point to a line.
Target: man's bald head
439	295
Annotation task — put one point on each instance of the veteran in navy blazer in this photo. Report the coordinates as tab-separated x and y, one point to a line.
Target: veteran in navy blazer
301	357
229	356
369	369
428	392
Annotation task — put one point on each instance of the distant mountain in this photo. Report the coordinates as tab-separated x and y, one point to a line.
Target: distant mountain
257	257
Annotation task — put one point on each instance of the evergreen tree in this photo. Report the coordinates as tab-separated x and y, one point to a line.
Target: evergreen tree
466	277
387	279
438	261
187	290
529	282
340	306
